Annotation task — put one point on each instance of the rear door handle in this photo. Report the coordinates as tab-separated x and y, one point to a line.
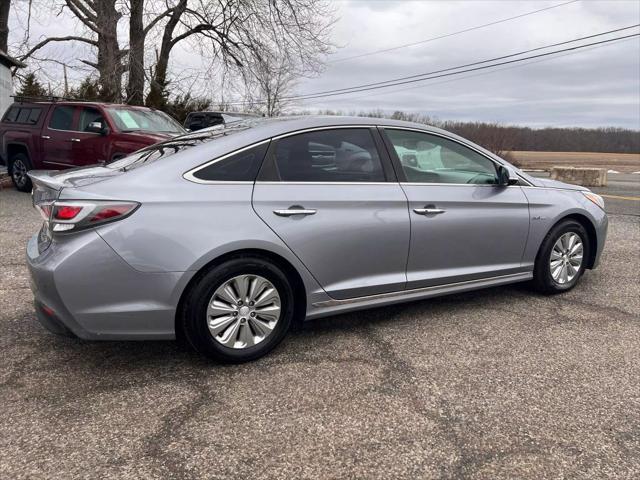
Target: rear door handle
295	210
428	211
74	140
46	137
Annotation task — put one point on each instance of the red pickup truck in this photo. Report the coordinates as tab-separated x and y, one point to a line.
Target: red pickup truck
58	134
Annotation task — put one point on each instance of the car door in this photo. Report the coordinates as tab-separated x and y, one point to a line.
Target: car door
463	225
89	147
58	137
331	196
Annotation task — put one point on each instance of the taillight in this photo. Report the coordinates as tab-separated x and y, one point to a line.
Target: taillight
65	212
76	215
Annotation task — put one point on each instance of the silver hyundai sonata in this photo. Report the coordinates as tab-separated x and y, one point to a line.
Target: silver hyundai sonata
228	236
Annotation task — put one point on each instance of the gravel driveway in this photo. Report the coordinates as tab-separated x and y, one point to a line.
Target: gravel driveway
500	383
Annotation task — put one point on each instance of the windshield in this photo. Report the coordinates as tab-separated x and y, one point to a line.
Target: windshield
133	119
165	149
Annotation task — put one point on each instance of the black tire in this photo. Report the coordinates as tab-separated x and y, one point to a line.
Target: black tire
543	281
19	164
194	317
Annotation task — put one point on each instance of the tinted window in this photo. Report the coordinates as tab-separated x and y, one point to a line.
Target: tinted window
89	115
11	114
242	166
34	116
23	116
432	159
62	118
340	155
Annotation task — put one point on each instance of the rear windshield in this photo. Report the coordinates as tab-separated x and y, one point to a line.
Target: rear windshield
165	149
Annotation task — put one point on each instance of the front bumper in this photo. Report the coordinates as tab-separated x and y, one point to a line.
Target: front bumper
83	288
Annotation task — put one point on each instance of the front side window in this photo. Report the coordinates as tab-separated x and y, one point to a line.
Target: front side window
340	155
62	118
429	158
90	115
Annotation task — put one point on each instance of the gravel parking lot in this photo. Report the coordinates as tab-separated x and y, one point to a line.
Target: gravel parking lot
500	383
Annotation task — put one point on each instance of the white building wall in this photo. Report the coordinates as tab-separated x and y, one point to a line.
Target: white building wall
6	89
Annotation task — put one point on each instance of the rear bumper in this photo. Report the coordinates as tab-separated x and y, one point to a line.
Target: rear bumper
83	288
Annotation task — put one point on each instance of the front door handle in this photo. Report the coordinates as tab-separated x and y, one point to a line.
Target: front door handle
294	210
74	140
428	211
46	137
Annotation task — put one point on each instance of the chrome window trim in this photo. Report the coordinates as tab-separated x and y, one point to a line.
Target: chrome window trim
427	184
270	182
313	129
189	174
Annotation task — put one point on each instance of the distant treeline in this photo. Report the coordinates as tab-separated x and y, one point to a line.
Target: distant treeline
503	138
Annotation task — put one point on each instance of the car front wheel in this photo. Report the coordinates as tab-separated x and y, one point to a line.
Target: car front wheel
239	311
562	258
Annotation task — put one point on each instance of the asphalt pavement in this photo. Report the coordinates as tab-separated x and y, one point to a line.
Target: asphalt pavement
499	383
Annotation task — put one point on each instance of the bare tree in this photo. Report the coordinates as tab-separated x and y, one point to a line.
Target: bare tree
238	34
101	21
5	6
269	81
135	85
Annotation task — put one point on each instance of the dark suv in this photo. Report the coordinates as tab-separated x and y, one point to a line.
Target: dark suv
55	134
199	120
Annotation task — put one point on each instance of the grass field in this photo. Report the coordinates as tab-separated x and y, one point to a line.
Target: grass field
620	162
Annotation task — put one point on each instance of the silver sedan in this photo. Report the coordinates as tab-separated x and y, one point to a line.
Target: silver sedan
230	235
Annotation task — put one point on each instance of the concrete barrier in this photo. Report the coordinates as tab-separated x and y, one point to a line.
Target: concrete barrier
587	177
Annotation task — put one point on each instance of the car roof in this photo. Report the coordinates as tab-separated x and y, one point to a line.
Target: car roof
272	127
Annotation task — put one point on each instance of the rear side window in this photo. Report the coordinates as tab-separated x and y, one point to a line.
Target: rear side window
24	115
11	114
340	155
239	167
62	118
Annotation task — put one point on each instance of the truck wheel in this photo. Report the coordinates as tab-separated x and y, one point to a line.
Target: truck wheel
19	165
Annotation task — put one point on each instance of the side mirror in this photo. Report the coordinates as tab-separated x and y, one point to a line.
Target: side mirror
504	177
96	127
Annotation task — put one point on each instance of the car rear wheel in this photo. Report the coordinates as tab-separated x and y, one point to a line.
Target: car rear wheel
562	258
239	311
20	165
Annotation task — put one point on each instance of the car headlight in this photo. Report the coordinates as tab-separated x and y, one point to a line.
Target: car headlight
597	199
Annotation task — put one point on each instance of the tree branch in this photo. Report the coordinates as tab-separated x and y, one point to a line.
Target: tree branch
46	41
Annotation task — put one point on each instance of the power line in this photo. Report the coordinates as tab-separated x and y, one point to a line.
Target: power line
431	76
461	66
464	77
398	47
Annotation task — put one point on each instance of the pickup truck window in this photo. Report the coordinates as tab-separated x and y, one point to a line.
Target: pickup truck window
89	115
26	115
62	118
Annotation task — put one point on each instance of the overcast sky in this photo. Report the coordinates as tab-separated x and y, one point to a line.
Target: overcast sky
593	87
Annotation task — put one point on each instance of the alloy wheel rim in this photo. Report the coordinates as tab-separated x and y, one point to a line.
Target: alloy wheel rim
19	171
566	258
243	311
